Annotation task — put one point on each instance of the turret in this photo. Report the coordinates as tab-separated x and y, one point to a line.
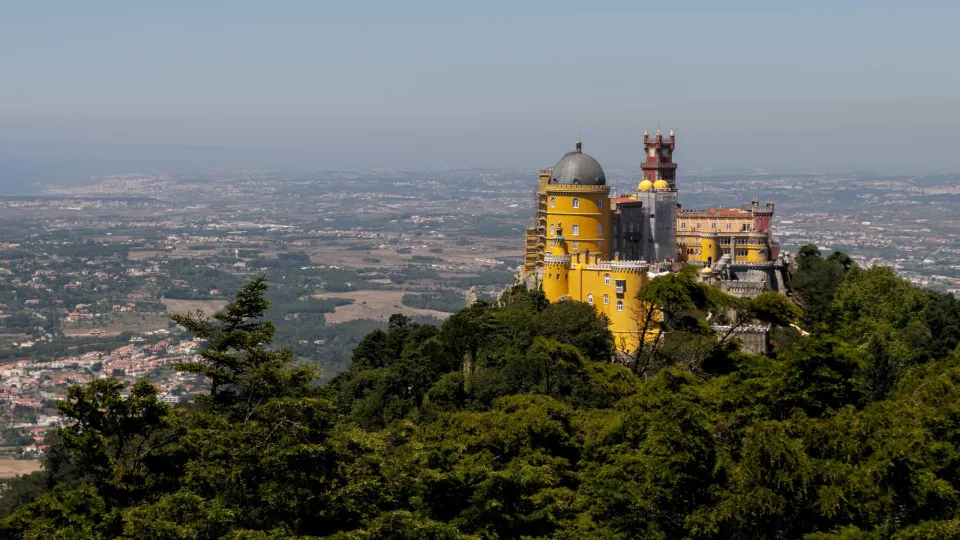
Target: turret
556	269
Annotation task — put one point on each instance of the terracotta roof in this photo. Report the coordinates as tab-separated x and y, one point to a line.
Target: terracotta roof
733	212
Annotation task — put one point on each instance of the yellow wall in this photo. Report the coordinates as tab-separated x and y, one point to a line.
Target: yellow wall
556	281
586	277
593	210
755	252
696	248
709	249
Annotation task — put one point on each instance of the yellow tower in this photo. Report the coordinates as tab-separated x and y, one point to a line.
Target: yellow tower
556	272
578	200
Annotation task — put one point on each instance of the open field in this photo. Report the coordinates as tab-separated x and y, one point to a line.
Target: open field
378	305
15	467
142	255
183	306
117	323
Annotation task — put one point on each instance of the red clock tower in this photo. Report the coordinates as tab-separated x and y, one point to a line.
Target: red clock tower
659	163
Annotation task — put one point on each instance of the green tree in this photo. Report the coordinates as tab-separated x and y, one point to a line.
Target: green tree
243	370
676	303
578	324
815	280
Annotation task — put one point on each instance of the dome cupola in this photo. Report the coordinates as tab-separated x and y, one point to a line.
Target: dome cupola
577	168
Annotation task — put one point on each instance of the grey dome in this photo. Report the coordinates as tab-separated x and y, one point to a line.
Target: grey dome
578	168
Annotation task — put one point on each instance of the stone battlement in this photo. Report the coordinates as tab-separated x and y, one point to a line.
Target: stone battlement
641	266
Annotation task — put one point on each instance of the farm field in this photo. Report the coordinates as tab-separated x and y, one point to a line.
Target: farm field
16	467
377	305
183	306
117	323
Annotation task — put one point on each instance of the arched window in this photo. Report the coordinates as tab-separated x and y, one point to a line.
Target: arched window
589	298
553	202
575	230
599	204
576	202
553	228
619	305
606	279
606	299
599	229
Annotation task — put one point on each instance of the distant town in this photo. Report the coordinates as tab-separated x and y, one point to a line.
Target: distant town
90	275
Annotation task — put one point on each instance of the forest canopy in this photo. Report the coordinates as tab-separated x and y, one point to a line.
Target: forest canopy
511	421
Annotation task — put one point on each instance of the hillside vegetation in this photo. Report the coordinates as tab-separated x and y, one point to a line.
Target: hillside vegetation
509	421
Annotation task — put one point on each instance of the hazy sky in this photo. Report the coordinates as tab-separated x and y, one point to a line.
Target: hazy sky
811	86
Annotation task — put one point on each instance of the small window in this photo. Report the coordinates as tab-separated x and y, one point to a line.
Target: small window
576	203
589	298
599	229
599	204
713	226
606	279
698	225
683	224
553	228
553	243
619	305
606	299
728	226
575	230
553	202
575	245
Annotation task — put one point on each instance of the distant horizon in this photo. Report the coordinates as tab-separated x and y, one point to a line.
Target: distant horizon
65	163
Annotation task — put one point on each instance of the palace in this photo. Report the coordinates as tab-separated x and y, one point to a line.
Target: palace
588	246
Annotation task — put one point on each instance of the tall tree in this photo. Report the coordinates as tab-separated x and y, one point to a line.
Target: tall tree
243	370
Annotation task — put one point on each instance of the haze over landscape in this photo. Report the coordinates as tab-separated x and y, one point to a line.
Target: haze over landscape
108	87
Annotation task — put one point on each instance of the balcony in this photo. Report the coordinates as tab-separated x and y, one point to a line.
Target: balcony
651	166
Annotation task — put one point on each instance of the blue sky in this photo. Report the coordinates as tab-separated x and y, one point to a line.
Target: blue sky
813	86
